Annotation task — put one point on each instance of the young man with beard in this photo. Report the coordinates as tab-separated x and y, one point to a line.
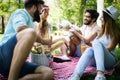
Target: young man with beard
17	42
89	32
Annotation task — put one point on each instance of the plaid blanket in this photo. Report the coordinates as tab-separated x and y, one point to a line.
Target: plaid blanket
64	70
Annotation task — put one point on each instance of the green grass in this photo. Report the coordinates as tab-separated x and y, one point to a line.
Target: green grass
118	53
114	76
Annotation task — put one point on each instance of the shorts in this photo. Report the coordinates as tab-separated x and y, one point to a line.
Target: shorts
6	53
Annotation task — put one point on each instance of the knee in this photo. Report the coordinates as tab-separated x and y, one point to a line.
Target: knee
28	34
96	43
31	32
46	72
88	52
89	49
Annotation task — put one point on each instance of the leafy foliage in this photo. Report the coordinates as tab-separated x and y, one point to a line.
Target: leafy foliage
7	6
115	3
73	10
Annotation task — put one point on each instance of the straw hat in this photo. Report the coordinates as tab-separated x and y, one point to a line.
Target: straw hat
112	12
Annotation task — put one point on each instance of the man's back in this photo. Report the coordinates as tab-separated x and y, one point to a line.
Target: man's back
19	18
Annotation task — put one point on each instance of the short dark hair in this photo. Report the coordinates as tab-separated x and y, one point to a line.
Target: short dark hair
30	3
94	14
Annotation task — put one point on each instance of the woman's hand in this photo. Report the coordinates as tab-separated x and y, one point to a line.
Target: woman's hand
50	42
43	16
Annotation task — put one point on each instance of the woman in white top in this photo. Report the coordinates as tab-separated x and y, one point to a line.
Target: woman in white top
103	48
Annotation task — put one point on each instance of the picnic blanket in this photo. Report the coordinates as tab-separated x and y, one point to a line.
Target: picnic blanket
64	70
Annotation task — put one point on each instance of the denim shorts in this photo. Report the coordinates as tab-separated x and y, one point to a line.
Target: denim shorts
6	53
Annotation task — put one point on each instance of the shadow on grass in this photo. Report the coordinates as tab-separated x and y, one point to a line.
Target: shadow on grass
114	76
88	77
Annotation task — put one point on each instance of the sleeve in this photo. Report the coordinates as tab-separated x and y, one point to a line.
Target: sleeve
19	20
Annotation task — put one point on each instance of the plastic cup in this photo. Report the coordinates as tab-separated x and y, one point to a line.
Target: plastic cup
83	47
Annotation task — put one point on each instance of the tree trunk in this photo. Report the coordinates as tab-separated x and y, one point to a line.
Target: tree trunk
3	24
19	2
82	8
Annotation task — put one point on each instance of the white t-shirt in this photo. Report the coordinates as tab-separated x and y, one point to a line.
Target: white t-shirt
88	30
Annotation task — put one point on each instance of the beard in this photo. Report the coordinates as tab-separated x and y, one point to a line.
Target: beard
87	22
36	16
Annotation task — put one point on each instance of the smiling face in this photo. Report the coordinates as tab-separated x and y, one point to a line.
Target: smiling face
102	20
87	19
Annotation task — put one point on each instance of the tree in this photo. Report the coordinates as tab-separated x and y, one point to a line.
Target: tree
81	11
3	9
6	8
65	9
72	10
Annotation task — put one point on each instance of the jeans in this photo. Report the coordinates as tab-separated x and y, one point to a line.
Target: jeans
103	58
78	51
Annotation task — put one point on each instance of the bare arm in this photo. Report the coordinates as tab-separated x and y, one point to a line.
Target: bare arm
22	28
112	44
38	26
91	37
86	40
43	41
39	38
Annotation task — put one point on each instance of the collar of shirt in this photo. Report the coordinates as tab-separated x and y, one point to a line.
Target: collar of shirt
28	14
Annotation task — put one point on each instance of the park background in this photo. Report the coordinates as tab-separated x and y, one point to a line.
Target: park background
72	10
